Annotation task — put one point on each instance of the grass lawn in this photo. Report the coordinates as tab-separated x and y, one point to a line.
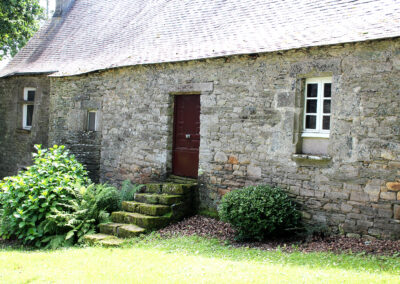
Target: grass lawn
191	260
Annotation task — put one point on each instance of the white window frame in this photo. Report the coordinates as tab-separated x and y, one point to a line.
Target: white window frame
95	119
318	132
25	108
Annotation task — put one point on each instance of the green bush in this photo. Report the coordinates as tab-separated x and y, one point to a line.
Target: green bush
107	197
50	204
257	212
128	190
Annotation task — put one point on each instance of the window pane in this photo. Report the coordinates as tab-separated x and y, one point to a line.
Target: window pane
29	115
92	121
312	90
31	96
327	90
311	106
327	106
326	123
311	121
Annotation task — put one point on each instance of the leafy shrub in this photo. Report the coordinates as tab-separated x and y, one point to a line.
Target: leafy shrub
50	204
128	190
257	212
107	197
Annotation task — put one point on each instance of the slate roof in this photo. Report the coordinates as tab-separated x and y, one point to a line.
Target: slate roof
102	34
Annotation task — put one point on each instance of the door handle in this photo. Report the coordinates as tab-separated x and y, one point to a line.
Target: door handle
187	136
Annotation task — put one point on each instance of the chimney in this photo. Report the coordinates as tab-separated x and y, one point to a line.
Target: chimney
62	7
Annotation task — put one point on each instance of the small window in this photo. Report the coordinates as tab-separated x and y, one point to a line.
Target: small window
317	107
27	108
92	121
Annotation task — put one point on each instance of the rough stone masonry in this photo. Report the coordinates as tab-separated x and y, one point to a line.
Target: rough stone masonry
251	124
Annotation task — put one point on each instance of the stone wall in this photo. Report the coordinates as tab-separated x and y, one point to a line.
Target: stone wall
251	113
71	99
16	144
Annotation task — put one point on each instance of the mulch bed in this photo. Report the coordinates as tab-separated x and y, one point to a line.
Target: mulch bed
212	228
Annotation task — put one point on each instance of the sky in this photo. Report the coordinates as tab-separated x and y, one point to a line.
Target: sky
52	4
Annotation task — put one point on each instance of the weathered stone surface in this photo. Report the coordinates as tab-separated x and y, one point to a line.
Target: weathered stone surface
130	231
102	239
220	157
393	186
109	228
144	221
147	209
250	110
173	188
388	195
396	212
164	199
253	171
153	188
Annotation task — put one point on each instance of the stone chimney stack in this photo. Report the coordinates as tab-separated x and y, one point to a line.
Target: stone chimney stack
62	6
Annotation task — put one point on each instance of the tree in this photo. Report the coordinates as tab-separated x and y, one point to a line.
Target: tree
19	20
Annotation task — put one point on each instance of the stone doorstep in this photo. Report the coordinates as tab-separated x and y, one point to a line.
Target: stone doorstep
144	208
144	221
169	188
163	199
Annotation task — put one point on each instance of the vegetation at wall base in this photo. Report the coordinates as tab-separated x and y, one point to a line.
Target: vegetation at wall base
53	202
257	212
128	190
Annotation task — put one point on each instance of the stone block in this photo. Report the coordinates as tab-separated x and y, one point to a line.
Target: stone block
353	235
233	160
373	191
346	208
253	171
359	196
388	195
393	186
220	157
396	212
333	195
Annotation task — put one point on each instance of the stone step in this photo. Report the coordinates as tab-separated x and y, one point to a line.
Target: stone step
178	179
144	208
163	199
103	239
168	188
121	230
144	221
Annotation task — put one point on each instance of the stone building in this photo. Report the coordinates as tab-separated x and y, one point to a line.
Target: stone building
300	94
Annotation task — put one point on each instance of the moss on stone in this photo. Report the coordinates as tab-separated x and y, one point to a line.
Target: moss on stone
109	228
153	188
174	188
130	231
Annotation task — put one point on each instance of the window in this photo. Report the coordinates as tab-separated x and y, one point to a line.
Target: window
27	107
317	107
92	121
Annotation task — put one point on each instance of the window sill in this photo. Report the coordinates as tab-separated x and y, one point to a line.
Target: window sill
315	135
23	131
311	160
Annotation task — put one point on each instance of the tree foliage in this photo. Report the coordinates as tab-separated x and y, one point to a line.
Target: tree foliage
19	20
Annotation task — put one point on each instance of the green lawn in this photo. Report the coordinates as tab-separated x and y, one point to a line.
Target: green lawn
188	260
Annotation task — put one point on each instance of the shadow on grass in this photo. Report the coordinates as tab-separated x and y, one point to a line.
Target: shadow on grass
212	248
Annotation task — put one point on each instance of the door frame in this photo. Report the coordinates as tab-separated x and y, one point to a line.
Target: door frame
174	121
181	89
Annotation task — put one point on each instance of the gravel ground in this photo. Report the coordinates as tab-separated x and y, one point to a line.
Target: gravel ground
208	227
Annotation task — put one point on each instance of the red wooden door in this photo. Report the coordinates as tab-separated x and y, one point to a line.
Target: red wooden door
185	153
